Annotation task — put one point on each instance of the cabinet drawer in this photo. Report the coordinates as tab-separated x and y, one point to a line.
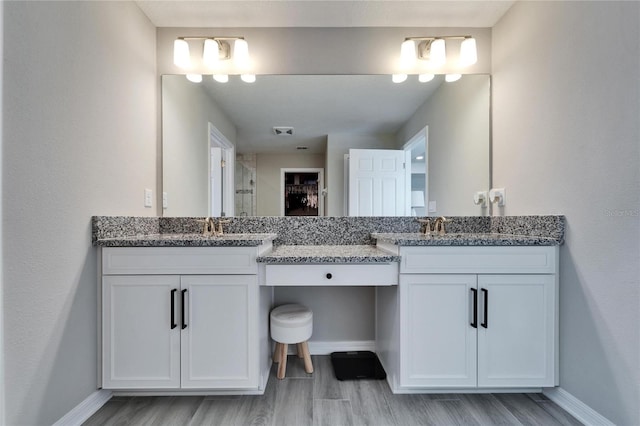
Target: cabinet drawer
178	260
332	275
514	260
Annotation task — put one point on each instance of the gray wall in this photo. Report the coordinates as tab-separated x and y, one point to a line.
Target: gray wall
565	141
79	111
186	111
2	354
458	118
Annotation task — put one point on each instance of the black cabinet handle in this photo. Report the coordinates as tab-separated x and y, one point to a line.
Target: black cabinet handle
329	276
485	321
184	322
474	322
173	308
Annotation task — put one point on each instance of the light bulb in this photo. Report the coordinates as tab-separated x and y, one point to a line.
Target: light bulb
438	53
407	54
194	78
450	78
248	78
181	56
398	78
468	52
424	78
241	54
221	78
210	54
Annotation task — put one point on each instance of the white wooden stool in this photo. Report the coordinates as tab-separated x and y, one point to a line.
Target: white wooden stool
291	324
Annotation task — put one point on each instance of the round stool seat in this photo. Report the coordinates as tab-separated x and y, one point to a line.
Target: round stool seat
291	323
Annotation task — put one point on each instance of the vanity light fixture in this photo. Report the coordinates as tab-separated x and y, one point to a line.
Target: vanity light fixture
425	78
450	78
215	50
398	78
181	55
211	53
241	54
433	52
408	54
437	52
468	52
194	78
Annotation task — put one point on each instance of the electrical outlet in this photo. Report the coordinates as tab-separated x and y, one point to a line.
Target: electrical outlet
148	198
165	202
432	207
498	196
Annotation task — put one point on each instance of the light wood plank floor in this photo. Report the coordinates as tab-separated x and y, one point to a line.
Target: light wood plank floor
319	399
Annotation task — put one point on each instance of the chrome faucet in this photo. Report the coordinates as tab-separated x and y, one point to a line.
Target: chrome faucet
220	222
209	227
427	227
438	225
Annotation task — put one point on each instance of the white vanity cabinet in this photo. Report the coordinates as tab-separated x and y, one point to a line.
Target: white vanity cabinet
471	317
182	318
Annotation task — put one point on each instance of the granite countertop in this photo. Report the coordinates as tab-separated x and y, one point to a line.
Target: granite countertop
328	254
187	240
464	239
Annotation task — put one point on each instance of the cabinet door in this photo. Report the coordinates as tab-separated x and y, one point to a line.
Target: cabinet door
438	342
219	338
516	338
140	347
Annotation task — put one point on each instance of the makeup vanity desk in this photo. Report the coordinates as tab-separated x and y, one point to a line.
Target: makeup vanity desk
328	265
470	312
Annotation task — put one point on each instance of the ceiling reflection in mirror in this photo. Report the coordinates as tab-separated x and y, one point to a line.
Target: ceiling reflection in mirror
319	118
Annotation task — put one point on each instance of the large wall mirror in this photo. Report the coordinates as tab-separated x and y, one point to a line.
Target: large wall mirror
445	126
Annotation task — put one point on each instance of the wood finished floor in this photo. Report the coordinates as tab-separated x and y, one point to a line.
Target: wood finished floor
319	399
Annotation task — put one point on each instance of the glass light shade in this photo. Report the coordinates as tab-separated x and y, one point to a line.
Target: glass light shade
210	54
424	78
241	54
181	56
417	199
407	54
438	52
194	78
398	78
450	78
248	78
221	78
468	52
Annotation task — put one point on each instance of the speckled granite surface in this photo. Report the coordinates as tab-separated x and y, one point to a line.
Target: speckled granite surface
305	230
188	240
122	226
464	239
538	226
328	254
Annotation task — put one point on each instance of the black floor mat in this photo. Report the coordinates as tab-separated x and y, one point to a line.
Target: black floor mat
357	365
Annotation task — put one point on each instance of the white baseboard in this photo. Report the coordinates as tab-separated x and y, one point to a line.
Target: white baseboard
325	348
87	408
576	408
